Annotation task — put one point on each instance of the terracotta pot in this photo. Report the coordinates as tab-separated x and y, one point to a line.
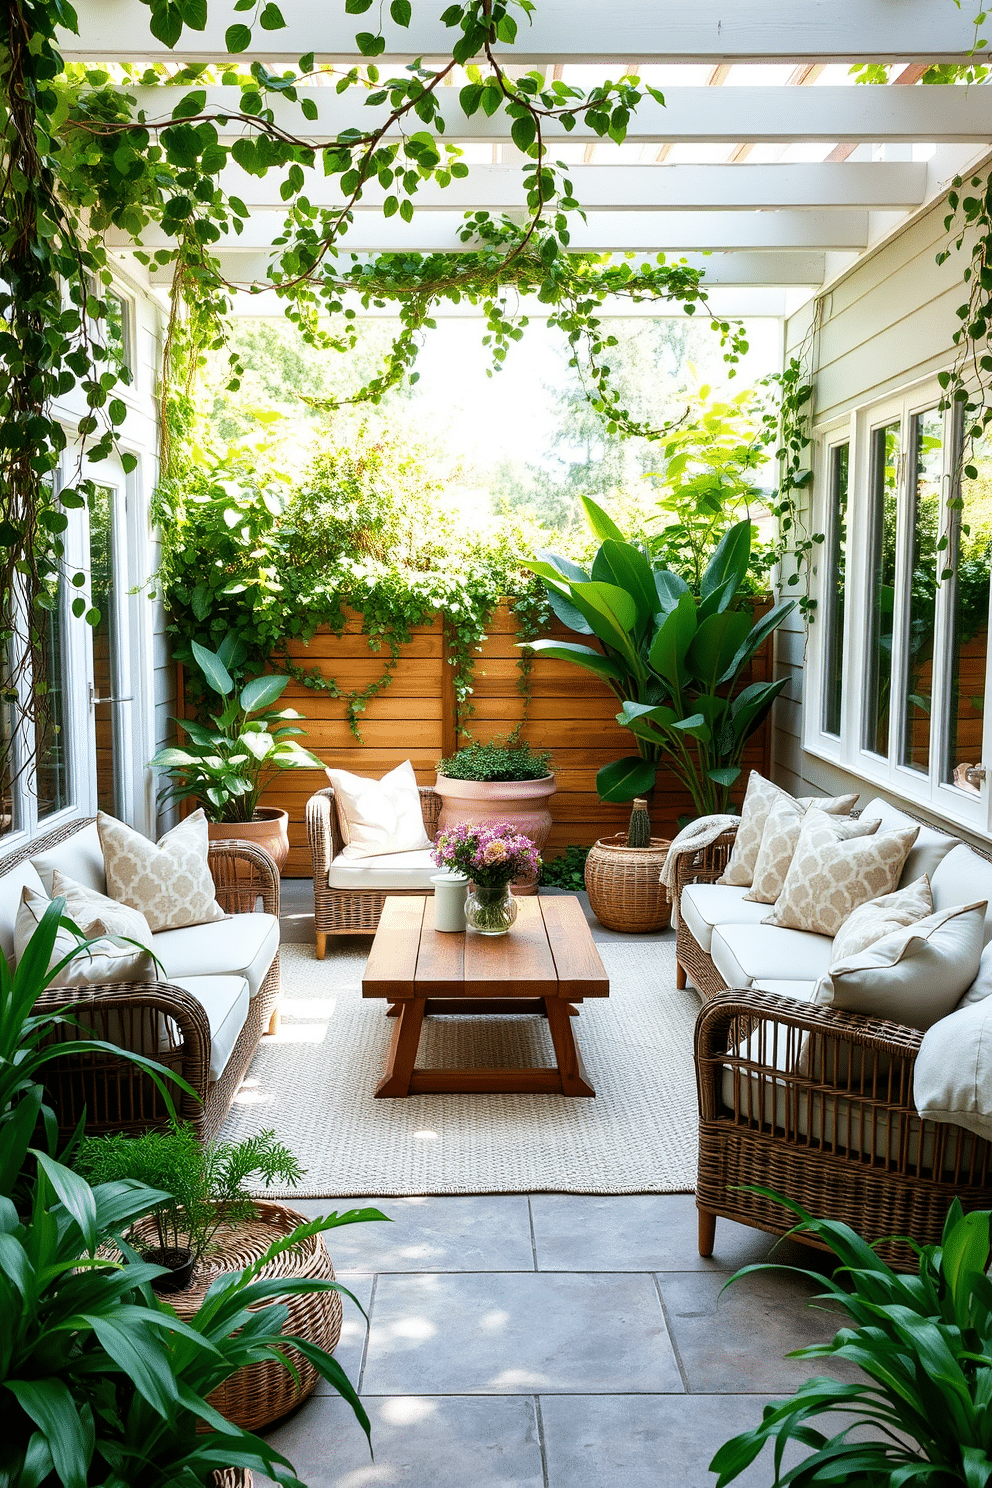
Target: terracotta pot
269	829
523	803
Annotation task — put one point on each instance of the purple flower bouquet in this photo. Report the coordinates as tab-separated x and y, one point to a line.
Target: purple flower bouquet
492	855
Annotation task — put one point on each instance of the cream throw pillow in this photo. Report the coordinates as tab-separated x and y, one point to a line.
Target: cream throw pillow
869	922
104	961
832	873
913	976
169	881
780	839
379	816
952	1077
759	798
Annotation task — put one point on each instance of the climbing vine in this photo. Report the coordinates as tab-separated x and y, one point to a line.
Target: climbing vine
967	383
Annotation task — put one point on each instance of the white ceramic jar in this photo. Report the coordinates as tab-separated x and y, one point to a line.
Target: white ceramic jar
450	890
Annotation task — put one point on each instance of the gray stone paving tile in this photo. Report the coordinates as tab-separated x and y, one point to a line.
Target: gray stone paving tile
436	1233
506	1333
648	1441
351	1347
447	1442
736	1343
644	1232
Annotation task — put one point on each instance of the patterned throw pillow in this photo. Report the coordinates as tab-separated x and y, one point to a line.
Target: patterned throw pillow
879	917
170	881
778	843
103	962
832	873
95	914
759	798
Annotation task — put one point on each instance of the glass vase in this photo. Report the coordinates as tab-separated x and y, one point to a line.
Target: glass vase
491	911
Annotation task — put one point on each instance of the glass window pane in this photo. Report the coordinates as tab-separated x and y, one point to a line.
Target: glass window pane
833	661
116	331
9	795
972	557
883	488
926	466
105	709
51	743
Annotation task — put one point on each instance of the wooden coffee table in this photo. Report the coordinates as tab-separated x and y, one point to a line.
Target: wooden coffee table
547	962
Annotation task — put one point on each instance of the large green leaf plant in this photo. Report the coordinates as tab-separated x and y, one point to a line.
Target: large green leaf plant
675	660
225	768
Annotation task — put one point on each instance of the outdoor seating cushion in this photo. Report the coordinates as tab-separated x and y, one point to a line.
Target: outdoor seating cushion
786	987
243	945
929	848
961	877
225	1000
703	905
952	1077
745	954
104	960
22	876
405	870
79	856
379	816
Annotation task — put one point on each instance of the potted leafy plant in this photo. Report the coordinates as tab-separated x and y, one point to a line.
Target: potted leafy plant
206	1185
923	1342
675	660
505	781
225	767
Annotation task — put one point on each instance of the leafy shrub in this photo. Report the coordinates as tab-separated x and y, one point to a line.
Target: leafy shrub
511	759
567	871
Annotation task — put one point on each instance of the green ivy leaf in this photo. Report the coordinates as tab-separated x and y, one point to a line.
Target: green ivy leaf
271	18
237	38
357	7
401	12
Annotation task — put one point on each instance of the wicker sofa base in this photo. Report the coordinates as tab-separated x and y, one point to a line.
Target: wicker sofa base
695	966
344	912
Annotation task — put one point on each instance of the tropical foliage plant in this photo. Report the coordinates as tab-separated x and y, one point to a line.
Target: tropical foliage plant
924	1344
675	660
225	768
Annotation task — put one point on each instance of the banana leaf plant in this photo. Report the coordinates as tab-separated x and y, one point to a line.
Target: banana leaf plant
674	660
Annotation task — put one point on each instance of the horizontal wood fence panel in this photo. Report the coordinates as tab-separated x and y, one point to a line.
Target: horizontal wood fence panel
567	711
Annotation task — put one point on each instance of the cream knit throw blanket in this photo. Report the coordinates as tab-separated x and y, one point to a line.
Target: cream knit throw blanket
691	839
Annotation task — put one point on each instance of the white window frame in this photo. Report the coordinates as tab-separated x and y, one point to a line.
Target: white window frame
848	752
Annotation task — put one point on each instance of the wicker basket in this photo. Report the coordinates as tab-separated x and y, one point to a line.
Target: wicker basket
260	1393
623	883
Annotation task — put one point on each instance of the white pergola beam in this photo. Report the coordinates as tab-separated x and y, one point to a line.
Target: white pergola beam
815	231
563	31
690	116
630	188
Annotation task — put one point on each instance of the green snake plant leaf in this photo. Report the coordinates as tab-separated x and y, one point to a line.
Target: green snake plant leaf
262	692
671	644
603	525
625	778
729	561
626	567
68	1434
213	669
583	656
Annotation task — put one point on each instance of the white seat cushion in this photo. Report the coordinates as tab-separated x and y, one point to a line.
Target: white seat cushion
24	876
405	870
703	905
225	1000
961	878
79	856
798	991
244	945
929	848
744	954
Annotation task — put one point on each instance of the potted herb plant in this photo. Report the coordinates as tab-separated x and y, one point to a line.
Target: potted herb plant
491	855
623	877
225	766
505	781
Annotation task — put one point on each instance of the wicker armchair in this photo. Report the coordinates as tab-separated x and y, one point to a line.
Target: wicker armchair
817	1104
349	911
113	1092
692	962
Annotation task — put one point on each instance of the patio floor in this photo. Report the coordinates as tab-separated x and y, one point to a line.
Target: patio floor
547	1341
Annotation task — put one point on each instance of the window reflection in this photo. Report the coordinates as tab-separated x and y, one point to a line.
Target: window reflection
925	513
884	483
972	552
51	742
835	590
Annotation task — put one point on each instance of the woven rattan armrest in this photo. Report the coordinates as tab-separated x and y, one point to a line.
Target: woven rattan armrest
243	873
705	865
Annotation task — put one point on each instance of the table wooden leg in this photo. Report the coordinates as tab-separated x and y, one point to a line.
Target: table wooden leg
403	1049
574	1080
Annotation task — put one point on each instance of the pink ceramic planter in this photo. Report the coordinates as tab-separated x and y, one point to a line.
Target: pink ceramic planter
524	803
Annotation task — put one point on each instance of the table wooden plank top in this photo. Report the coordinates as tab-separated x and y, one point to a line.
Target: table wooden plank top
549	952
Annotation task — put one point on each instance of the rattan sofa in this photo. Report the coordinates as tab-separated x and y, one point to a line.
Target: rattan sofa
162	1019
815	1103
355	910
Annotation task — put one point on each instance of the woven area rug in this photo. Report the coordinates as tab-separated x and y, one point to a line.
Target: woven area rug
314	1081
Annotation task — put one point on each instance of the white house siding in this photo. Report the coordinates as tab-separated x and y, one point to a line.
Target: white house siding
883	325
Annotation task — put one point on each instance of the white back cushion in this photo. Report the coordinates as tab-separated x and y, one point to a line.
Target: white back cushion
929	850
79	856
961	877
23	876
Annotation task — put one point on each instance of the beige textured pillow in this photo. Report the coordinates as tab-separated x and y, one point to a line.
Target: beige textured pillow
759	798
914	976
379	816
869	922
102	962
832	873
778	844
170	882
95	914
952	1076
